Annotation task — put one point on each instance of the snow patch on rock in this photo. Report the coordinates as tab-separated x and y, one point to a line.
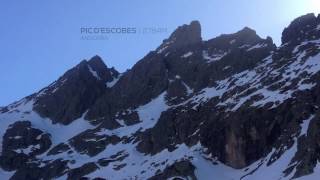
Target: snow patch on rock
113	82
188	54
94	73
212	58
258	46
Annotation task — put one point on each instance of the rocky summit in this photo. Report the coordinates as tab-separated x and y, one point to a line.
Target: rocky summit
232	107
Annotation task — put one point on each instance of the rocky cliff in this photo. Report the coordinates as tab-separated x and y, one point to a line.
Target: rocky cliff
232	107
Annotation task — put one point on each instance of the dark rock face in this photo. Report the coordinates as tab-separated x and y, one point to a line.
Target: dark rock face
52	170
82	171
21	143
183	36
237	138
181	125
146	80
249	134
307	147
60	148
245	36
119	156
177	171
218	58
3	109
106	74
177	91
152	75
172	128
72	94
90	143
302	29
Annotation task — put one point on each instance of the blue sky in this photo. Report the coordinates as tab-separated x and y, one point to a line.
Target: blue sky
40	40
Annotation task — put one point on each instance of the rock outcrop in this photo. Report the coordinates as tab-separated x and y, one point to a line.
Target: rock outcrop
72	94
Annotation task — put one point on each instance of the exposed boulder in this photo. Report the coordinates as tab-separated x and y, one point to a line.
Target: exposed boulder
21	143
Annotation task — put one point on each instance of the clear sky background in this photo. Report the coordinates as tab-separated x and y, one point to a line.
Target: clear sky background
40	40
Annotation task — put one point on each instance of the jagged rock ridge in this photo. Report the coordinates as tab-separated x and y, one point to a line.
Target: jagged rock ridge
233	107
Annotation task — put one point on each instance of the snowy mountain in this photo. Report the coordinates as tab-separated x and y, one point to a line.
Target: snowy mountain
233	107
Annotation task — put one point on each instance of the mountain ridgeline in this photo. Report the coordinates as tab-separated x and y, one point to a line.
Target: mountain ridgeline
232	107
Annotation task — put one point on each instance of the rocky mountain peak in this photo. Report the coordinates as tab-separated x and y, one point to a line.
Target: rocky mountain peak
183	36
96	60
106	74
247	31
187	34
244	38
235	100
302	29
67	98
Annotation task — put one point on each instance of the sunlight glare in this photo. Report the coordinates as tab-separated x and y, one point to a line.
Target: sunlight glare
315	6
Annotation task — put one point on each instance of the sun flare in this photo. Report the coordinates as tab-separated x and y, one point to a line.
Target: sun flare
315	6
